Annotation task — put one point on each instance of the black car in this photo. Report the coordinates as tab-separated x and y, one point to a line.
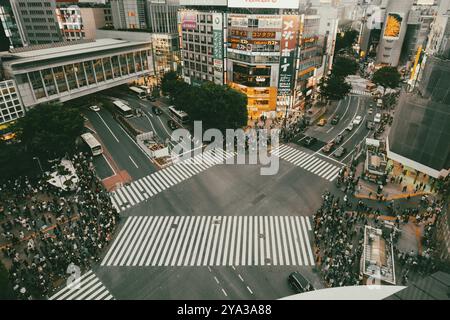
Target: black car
152	99
370	125
339	139
335	119
299	283
308	141
172	124
156	110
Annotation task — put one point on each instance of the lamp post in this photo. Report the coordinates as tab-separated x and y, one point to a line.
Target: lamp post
39	162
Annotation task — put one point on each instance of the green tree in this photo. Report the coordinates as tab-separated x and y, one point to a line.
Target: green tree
334	88
15	161
169	83
343	67
6	291
387	77
216	106
50	130
346	40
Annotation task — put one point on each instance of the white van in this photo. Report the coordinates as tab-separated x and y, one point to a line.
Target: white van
377	118
379	103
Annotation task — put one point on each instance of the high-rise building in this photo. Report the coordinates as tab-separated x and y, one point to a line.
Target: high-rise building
162	15
393	32
270	51
9	25
129	14
80	21
37	21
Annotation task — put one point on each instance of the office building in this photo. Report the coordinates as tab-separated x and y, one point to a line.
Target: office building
70	70
9	25
269	51
129	14
162	16
36	21
11	107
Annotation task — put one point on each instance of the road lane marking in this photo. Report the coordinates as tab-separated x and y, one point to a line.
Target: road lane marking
104	122
133	161
224	292
250	290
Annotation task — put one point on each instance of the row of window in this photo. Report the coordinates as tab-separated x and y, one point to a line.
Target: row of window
200	29
197	38
198	48
33	4
52	81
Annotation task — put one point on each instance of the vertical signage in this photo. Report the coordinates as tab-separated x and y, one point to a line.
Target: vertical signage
287	46
218	48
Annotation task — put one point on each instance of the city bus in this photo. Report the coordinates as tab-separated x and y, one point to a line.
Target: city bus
123	109
179	115
142	94
93	144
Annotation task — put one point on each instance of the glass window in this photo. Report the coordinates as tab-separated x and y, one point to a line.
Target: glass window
49	82
70	74
60	79
123	64
38	86
137	59
116	67
89	72
131	62
99	70
80	74
108	68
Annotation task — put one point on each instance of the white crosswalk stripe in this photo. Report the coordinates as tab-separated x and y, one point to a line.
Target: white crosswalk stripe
212	241
146	187
87	287
308	161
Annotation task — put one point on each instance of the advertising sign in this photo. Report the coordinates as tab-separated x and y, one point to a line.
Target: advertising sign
263	34
393	26
287	57
217	36
274	4
188	20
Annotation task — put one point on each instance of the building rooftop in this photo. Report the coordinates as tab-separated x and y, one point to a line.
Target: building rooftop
377	260
67	49
420	131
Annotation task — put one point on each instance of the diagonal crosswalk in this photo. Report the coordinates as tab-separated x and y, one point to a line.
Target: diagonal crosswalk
212	241
88	287
147	187
308	161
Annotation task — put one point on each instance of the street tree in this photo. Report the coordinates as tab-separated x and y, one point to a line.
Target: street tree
387	77
345	40
334	88
343	66
50	130
6	291
169	83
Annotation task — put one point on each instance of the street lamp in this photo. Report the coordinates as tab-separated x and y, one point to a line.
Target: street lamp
39	162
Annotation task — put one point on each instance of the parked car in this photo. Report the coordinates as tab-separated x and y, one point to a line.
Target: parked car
299	283
377	118
370	125
370	111
335	119
339	139
339	152
349	127
156	110
357	120
95	108
322	122
172	124
328	147
308	141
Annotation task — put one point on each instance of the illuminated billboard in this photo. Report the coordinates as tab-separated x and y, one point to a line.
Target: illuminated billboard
188	20
393	26
274	4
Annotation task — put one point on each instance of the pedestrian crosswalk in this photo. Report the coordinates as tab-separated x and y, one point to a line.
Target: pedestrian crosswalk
87	287
308	161
144	188
360	92
212	241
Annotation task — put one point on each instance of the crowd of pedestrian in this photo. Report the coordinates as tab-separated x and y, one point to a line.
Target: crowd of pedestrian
338	241
46	229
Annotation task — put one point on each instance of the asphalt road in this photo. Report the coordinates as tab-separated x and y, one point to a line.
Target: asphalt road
125	152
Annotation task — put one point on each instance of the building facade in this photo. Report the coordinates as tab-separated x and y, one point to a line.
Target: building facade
37	21
11	107
162	16
270	51
129	14
10	26
71	70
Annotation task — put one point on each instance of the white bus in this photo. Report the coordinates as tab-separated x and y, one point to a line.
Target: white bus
124	110
181	116
142	94
93	144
